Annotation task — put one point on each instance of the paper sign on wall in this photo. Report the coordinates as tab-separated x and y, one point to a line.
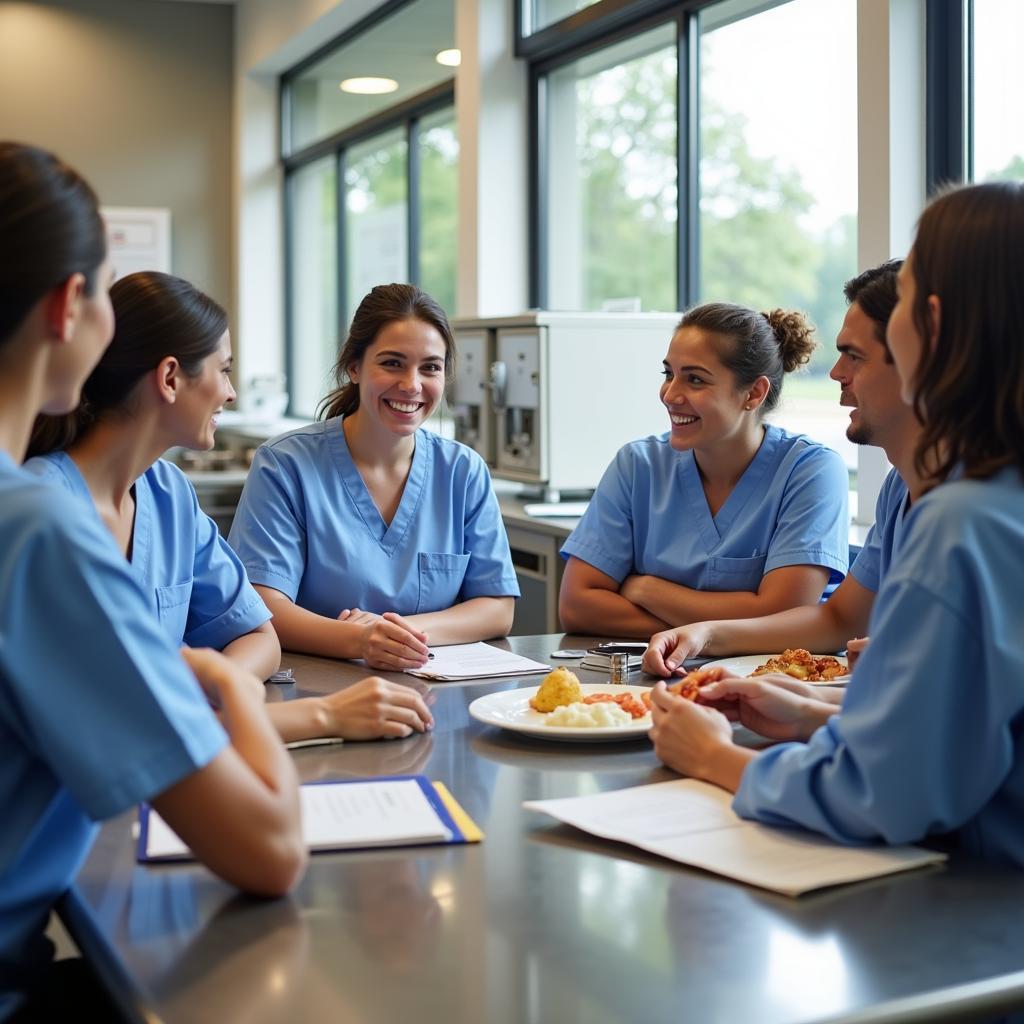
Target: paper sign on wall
138	238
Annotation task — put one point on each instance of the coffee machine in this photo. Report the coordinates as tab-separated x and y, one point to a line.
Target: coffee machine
547	398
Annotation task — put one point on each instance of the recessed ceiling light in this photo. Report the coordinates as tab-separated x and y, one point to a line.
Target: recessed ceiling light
368	86
449	58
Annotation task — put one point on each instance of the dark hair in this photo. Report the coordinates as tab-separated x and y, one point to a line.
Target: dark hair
383	305
156	316
50	228
969	386
759	344
875	292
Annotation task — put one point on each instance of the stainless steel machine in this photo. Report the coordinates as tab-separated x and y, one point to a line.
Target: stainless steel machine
548	398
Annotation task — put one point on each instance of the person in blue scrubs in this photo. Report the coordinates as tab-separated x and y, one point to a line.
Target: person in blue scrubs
98	711
723	516
871	386
368	536
162	383
928	741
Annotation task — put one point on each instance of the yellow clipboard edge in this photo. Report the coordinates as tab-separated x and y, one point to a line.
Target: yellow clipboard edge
467	826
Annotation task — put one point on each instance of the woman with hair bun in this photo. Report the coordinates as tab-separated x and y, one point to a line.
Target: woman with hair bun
723	516
162	383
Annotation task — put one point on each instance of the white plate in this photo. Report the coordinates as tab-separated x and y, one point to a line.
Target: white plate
510	709
743	666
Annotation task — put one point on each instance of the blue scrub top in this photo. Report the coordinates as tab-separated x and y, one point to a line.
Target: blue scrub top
195	583
307	527
649	516
97	709
929	739
872	563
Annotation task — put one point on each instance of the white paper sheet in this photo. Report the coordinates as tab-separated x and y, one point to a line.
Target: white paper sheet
476	661
386	812
694	823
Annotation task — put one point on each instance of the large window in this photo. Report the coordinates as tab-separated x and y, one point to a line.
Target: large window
701	154
372	201
997	89
778	179
611	195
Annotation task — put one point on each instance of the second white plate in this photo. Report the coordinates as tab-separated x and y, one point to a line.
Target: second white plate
745	664
510	709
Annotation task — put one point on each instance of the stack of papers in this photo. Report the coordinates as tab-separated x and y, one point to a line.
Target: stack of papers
694	823
475	661
401	811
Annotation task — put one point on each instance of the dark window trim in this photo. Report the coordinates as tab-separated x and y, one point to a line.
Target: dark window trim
412	199
949	77
686	243
374	18
427	102
598	22
688	162
405	115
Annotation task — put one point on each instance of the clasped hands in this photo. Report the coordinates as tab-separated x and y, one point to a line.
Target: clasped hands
388	641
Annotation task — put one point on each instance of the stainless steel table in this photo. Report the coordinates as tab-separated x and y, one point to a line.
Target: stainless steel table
538	923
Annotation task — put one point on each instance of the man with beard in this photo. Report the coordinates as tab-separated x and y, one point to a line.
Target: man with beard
870	386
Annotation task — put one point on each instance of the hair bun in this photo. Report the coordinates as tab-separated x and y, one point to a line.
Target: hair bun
794	334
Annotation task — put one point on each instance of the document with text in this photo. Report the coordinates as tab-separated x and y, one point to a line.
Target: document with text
476	661
694	823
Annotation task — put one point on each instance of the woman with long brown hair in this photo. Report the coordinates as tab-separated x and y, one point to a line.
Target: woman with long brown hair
928	740
367	535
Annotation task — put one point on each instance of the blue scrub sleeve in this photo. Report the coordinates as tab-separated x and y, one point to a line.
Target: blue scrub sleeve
490	572
868	566
94	688
813	523
269	529
603	538
914	751
223	605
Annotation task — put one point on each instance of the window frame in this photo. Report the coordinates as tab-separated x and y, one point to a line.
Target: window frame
949	83
405	115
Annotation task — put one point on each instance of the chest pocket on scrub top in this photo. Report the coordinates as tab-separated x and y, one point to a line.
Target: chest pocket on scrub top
172	609
441	576
736	573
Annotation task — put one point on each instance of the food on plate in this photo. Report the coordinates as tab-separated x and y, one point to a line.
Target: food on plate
560	687
627	701
599	715
801	664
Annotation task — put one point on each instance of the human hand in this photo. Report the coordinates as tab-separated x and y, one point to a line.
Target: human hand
390	642
220	678
667	650
687	736
772	706
855	647
374	709
357	617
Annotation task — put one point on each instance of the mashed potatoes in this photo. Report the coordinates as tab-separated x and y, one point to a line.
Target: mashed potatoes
589	716
559	688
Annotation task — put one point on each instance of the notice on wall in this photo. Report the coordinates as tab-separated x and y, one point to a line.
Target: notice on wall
138	238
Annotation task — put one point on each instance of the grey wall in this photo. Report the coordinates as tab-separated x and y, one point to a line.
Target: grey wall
135	94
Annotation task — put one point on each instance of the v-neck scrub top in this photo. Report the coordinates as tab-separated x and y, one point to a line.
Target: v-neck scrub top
876	556
194	582
97	709
649	516
930	737
307	526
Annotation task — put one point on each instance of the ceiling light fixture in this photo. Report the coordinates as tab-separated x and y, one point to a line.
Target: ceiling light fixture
368	86
449	58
